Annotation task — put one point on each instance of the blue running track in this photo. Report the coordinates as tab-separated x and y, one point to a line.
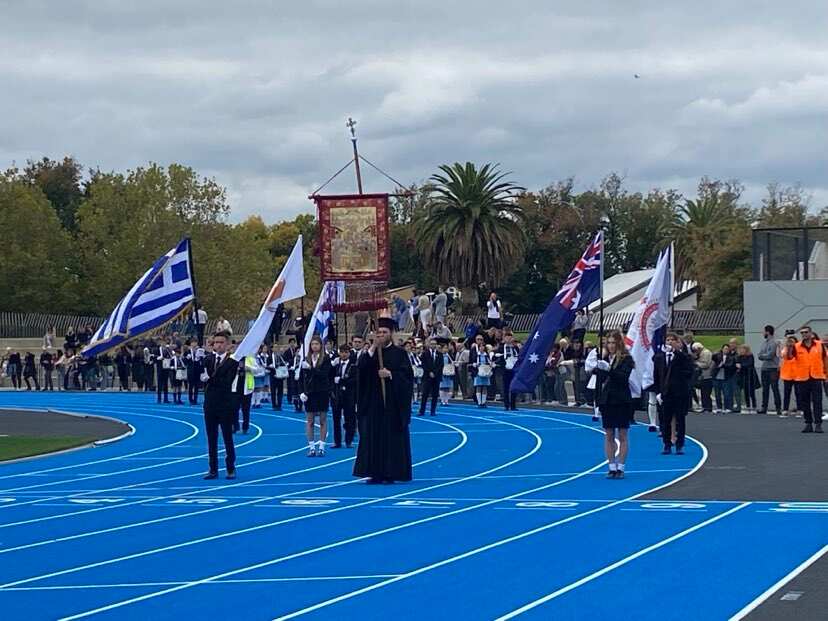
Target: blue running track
509	515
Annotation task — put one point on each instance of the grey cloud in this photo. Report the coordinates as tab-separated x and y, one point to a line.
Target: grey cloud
256	94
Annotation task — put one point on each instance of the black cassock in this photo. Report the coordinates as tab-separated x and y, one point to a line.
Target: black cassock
384	450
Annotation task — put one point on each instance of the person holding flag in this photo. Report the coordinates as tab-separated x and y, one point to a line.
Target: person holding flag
615	402
648	328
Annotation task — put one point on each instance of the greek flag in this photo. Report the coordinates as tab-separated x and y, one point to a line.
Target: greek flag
162	293
333	292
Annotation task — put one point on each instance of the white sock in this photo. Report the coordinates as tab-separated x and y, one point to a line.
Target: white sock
621	467
613	466
311	444
320	445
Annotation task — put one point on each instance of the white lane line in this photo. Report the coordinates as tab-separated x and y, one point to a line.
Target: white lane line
505	541
100	461
620	563
337	544
532	451
73	587
137	469
779	584
457	447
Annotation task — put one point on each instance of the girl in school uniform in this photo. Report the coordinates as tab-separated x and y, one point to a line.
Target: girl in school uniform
447	378
615	401
417	367
482	379
315	380
178	373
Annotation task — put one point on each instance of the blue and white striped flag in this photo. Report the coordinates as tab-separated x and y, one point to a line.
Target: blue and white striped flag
333	292
161	294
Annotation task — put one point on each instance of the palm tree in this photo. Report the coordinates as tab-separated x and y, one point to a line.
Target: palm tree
697	227
472	230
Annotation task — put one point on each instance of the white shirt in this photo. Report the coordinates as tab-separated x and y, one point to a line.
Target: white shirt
201	316
493	309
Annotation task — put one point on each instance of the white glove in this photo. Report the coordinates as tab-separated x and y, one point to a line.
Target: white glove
306	365
303	397
336	380
335	362
659	400
205	377
603	365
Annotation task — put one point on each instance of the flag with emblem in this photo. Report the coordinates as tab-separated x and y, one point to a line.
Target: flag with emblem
164	292
289	286
583	286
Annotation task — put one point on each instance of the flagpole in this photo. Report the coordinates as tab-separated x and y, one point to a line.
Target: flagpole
672	251
601	302
193	280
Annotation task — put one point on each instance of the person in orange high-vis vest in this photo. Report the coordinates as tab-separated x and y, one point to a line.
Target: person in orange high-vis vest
787	373
811	356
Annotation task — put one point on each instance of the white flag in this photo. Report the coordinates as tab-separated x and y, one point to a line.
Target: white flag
289	286
652	314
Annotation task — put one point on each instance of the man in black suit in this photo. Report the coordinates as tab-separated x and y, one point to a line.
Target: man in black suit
432	374
673	374
221	403
344	392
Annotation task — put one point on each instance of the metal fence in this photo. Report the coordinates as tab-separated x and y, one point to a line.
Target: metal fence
790	253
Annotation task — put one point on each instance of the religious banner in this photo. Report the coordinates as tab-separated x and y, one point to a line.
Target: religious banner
353	236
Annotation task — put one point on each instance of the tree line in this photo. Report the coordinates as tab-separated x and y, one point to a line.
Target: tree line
76	240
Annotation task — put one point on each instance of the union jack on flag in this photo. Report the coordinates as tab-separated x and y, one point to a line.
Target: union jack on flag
584	286
576	294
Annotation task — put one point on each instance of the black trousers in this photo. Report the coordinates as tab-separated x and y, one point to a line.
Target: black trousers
669	410
277	392
212	424
244	409
431	390
163	384
789	387
343	407
706	394
810	400
193	386
149	377
123	377
770	382
26	379
200	334
509	398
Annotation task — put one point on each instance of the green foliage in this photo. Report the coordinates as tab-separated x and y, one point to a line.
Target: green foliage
35	270
61	183
76	245
472	230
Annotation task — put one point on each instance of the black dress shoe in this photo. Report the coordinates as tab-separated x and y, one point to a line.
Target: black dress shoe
679	450
818	428
373	481
667	450
611	474
210	476
619	474
652	428
808	428
231	475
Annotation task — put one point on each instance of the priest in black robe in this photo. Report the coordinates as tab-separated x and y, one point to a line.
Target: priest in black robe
384	452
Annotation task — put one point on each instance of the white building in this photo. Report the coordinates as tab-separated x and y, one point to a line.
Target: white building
623	292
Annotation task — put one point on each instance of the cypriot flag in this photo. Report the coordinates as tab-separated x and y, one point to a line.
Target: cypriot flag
289	286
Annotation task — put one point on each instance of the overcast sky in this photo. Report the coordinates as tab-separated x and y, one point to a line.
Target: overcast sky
256	94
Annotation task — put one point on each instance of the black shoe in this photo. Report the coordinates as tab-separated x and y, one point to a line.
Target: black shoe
333	446
433	414
210	476
373	481
246	430
762	411
808	428
421	414
818	428
667	450
231	474
652	428
619	474
611	474
349	445
679	450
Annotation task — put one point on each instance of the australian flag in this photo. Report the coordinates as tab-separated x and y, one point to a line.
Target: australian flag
584	286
